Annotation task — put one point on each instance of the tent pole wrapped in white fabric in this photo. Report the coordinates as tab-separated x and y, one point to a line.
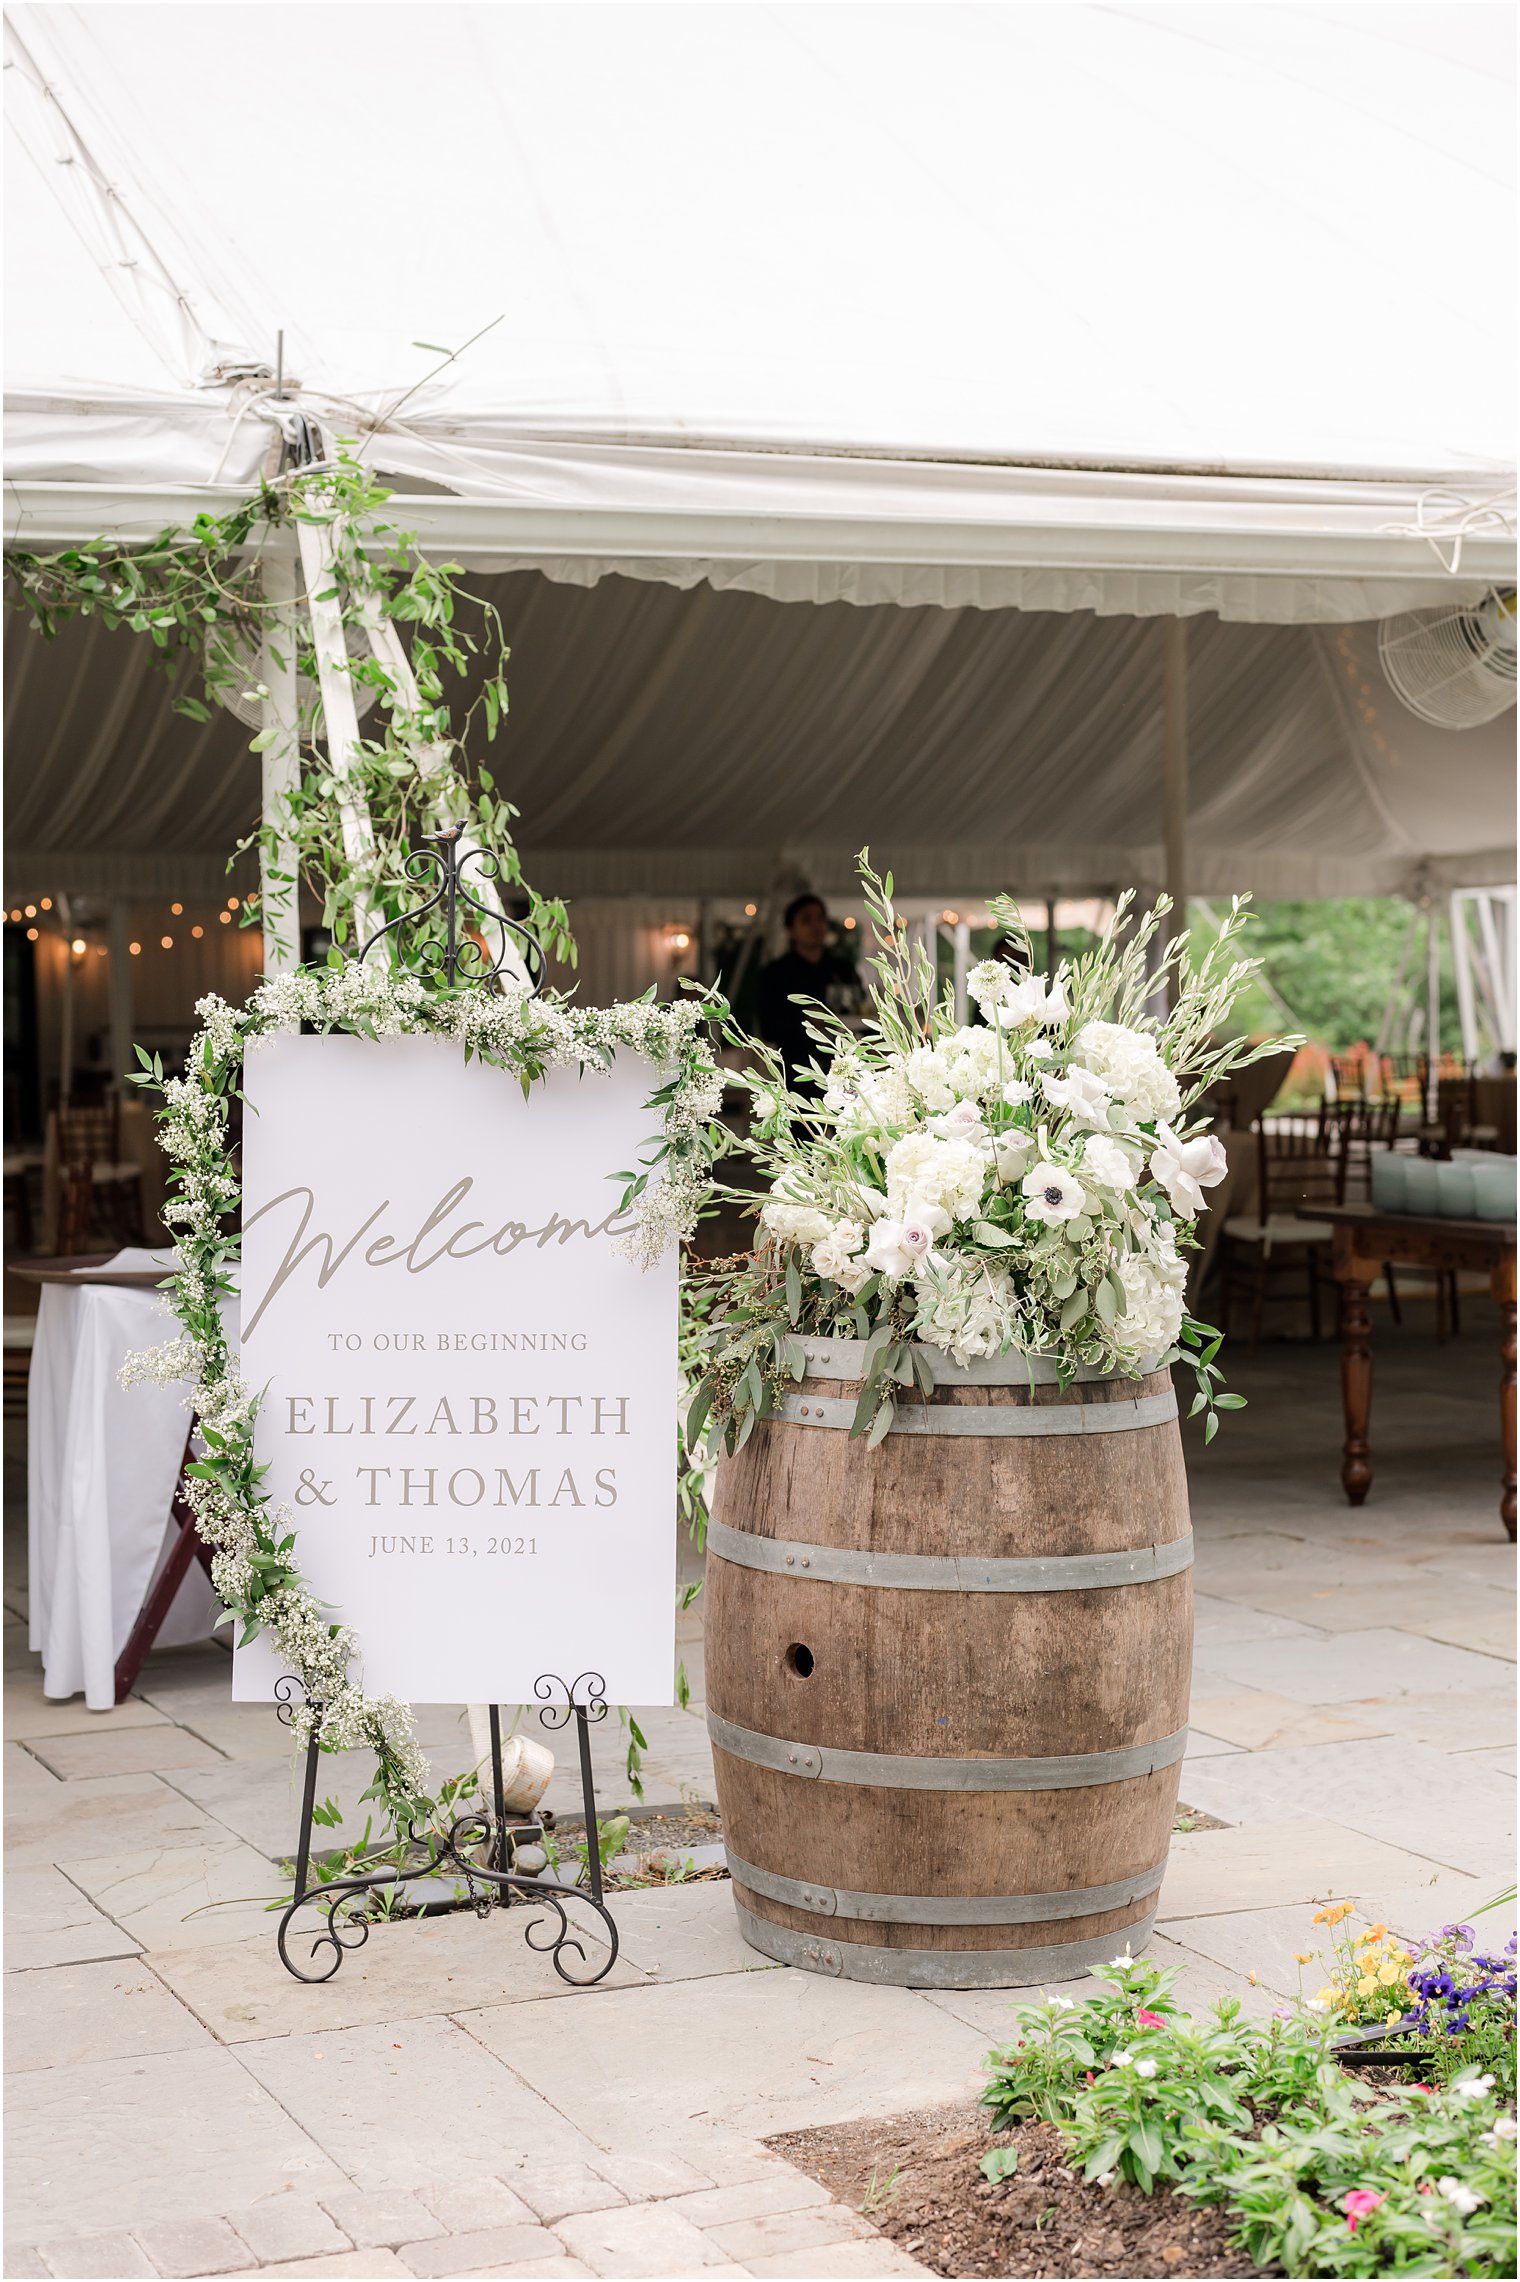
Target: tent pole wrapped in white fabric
1032	323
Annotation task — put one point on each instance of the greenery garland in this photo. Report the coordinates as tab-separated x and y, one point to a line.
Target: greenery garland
255	1565
198	595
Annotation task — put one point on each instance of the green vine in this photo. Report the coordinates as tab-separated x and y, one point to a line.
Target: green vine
199	595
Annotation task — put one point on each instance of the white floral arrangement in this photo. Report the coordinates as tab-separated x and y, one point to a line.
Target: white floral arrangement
1026	1182
255	1557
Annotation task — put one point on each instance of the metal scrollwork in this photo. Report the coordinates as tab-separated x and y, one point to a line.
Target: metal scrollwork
586	1694
461	959
478	1846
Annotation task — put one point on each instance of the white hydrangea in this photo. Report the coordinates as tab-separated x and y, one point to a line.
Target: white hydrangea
1106	1163
1129	1062
794	1223
929	1076
951	1174
1153	1288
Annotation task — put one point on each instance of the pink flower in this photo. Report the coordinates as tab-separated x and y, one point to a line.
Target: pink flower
1149	2020
1358	2203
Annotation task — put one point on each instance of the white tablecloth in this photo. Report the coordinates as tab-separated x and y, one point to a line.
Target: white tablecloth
102	1464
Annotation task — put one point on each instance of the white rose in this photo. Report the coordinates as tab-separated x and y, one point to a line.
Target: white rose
963	1123
1012	1153
1105	1164
1080	1091
833	1256
887	1252
1052	1194
1131	1064
1186	1168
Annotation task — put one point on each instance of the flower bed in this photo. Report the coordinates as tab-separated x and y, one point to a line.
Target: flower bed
1320	2172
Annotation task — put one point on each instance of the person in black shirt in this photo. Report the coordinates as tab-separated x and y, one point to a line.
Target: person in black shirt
808	968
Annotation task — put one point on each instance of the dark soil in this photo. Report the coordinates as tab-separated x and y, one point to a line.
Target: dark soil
918	2178
1193	1818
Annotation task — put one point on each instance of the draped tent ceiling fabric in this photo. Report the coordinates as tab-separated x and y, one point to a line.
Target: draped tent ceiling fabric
661	742
864	379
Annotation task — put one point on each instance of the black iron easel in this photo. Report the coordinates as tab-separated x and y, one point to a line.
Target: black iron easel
488	1882
493	1880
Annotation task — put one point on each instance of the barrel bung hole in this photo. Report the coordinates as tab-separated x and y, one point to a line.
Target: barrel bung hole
799	1659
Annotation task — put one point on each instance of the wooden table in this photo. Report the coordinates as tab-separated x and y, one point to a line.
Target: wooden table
1365	1239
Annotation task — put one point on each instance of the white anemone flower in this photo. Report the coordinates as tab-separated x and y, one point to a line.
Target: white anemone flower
1472	2087
1461	2198
1186	1168
1145	2067
1051	1193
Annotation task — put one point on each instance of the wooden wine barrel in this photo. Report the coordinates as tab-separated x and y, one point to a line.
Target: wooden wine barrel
947	1679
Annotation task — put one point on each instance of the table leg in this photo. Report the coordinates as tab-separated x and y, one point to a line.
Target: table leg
1504	1293
1356	1389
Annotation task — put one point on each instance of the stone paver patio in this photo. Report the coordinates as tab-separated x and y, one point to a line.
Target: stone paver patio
180	2106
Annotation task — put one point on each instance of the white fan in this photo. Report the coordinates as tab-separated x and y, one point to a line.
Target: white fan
240	698
1453	667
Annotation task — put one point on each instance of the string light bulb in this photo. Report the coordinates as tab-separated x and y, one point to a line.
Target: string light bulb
31	911
79	946
749	911
166	942
196	933
47	903
225	917
232	903
135	949
31	934
177	909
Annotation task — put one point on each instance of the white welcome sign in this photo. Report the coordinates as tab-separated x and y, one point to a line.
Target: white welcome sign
468	1390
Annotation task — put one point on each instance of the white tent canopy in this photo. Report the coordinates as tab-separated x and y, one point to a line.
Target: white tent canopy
1114	312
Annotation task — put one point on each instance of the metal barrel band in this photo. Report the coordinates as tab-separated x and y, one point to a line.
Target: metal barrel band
1004	1418
936	1968
851	1359
895	1771
957	1573
944	1909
